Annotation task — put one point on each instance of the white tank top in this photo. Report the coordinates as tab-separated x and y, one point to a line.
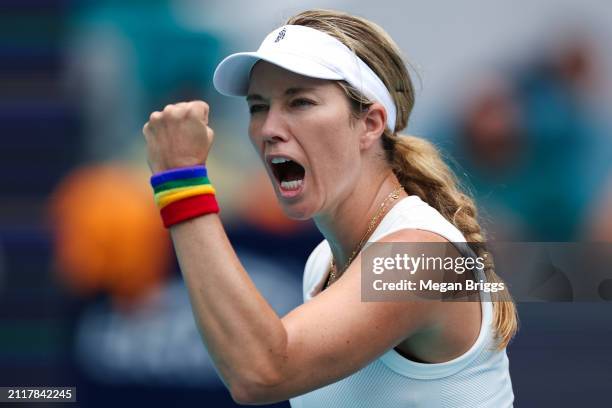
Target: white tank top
478	378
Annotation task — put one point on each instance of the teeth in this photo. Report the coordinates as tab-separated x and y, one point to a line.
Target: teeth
277	160
291	185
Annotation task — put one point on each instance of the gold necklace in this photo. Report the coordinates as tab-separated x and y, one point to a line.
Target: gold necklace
333	273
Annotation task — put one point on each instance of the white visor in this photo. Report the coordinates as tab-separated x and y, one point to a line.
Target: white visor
307	52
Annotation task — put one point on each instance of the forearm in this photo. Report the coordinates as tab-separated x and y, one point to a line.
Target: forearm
244	336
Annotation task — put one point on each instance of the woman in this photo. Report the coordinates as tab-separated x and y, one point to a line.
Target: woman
328	94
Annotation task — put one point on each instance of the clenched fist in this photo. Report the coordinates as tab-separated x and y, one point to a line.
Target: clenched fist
178	136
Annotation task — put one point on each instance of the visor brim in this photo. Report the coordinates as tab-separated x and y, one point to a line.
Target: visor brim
232	75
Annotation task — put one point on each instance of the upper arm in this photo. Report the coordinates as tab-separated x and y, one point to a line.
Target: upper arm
335	334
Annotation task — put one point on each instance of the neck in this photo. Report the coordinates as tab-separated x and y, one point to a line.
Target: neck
345	225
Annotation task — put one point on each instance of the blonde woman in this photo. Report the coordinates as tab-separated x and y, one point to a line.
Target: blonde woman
328	93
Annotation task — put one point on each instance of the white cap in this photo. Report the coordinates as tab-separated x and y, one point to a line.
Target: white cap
307	52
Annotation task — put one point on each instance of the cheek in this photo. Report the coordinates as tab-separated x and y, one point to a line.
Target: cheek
339	140
334	151
256	141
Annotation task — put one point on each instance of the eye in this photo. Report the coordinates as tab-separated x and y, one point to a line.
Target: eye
257	108
299	102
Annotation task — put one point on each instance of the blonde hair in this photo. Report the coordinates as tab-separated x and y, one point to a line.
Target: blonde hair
416	162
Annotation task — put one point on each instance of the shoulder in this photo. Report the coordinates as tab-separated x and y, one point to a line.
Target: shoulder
421	222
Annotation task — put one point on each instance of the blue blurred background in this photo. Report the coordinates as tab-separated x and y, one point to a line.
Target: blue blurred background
517	95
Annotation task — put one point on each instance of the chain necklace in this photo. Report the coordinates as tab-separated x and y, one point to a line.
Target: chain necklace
333	273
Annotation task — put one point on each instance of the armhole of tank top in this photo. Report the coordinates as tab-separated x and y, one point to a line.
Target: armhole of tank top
424	371
412	369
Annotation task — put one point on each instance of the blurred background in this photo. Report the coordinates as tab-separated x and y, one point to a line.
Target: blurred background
517	95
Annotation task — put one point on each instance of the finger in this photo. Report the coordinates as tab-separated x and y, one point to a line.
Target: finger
155	117
146	129
200	110
176	111
181	109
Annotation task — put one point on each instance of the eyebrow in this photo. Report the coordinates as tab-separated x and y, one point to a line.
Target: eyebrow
290	91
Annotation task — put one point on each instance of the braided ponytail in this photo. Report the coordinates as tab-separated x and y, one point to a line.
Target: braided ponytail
421	171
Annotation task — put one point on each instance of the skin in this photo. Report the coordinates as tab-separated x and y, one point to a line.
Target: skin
261	357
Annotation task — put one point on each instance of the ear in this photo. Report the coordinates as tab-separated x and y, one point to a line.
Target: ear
375	121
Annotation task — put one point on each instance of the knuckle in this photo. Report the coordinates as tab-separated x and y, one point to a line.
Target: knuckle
203	104
193	112
181	108
199	105
155	116
176	113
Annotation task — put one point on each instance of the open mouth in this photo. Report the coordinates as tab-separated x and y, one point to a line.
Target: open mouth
288	173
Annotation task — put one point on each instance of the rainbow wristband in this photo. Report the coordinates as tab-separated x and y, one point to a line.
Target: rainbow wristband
188	208
164	198
183	193
178	174
181	183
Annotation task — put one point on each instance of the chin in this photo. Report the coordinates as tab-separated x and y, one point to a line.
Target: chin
296	211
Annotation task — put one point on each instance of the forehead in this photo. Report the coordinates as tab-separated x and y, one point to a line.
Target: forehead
269	79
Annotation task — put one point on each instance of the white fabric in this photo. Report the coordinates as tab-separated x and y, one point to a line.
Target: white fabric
307	52
478	378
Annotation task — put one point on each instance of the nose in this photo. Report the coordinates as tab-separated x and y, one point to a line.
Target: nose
274	127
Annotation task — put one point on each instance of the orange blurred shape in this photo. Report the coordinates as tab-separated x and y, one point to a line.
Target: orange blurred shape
259	206
108	233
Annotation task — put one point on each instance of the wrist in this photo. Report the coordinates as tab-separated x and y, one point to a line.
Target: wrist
167	166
